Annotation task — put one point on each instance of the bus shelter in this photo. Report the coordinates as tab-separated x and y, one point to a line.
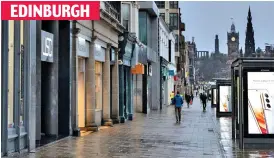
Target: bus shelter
223	107
235	91
253	108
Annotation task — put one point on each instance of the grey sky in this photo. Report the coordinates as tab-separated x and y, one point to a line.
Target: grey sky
205	19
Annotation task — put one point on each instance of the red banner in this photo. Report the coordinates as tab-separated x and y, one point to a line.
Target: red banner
50	10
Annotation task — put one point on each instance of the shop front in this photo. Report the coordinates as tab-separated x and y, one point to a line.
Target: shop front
140	79
83	46
99	55
171	82
13	118
127	47
114	94
164	82
36	71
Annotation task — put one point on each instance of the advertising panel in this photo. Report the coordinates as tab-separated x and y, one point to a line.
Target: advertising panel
214	96
260	102
225	101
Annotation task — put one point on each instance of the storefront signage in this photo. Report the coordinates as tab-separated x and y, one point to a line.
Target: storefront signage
82	47
138	69
46	46
99	53
171	72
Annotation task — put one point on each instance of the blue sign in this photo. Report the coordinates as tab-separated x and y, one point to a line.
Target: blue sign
171	72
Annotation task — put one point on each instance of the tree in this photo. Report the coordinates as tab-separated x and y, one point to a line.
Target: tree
214	66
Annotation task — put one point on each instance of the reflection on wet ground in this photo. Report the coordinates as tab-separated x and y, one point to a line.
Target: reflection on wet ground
200	135
231	147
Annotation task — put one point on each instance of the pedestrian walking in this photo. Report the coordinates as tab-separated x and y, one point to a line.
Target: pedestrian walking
204	100
192	97
200	97
171	96
178	102
188	99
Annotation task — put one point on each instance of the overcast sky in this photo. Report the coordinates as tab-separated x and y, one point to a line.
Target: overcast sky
206	19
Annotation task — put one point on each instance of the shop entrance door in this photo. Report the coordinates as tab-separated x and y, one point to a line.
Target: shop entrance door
144	88
81	92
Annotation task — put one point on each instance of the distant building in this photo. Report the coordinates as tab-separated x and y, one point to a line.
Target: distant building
202	54
233	42
192	50
169	11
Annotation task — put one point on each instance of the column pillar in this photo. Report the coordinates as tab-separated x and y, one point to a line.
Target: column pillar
130	98
4	84
16	82
74	88
115	90
38	79
126	98
121	94
30	43
90	89
52	114
106	88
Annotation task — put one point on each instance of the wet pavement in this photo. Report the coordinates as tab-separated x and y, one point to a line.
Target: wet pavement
156	135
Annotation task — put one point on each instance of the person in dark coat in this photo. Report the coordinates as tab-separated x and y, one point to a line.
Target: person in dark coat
188	98
204	100
200	97
192	97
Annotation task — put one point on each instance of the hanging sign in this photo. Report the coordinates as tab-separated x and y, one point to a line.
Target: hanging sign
46	46
138	69
171	72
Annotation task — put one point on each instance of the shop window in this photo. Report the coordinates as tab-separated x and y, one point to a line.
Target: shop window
98	85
